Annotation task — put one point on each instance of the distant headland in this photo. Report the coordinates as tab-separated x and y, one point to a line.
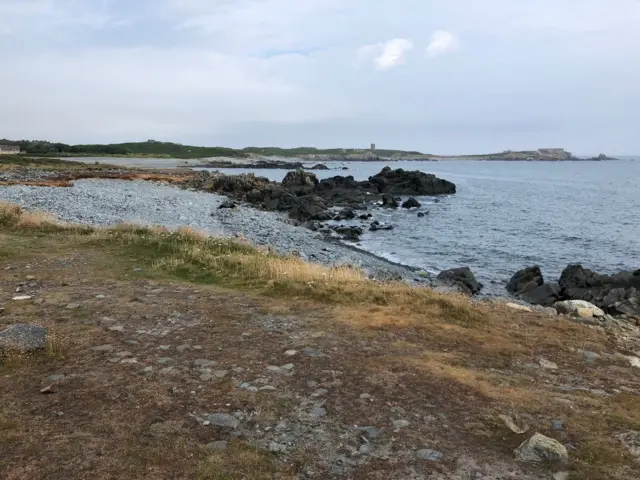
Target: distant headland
153	148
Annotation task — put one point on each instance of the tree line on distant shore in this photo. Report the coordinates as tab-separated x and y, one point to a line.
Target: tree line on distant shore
168	149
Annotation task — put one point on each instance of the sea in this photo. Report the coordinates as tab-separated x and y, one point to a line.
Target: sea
509	215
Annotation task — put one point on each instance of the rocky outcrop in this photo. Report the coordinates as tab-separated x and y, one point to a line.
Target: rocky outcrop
389	201
528	285
319	166
400	182
306	198
299	178
463	278
525	280
617	294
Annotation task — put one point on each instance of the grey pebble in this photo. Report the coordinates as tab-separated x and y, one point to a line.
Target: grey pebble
223	420
429	455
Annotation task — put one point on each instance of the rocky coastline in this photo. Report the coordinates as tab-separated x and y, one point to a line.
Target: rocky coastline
310	201
301	200
617	295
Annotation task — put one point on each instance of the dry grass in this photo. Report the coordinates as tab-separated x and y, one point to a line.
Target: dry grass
240	462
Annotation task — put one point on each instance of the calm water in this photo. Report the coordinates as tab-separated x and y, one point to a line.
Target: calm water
509	215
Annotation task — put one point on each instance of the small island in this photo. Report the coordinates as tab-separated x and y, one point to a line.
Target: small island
540	155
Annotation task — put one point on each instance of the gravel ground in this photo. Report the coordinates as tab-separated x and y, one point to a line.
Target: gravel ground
108	202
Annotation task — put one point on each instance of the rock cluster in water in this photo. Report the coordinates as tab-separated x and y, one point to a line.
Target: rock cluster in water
308	200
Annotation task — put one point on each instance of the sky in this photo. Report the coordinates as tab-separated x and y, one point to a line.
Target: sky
438	76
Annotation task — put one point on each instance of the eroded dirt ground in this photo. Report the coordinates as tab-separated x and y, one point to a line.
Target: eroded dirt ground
152	378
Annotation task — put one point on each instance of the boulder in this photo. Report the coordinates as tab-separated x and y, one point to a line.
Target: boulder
365	216
389	201
345	214
411	203
299	178
422	214
546	295
349	233
540	448
23	338
525	280
227	204
463	278
578	308
375	226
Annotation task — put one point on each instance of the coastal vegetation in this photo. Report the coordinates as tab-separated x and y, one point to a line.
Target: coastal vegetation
154	148
157	149
150	148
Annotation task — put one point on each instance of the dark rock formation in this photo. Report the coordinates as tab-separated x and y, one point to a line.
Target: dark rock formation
525	280
299	178
546	295
365	216
400	182
617	294
389	201
227	204
348	232
319	166
463	278
411	203
345	214
306	199
422	214
376	225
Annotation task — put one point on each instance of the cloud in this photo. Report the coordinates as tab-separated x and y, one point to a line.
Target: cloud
385	55
281	72
442	42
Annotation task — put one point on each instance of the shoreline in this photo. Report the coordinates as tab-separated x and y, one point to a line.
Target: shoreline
109	197
92	201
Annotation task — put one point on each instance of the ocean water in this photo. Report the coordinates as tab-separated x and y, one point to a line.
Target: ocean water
506	216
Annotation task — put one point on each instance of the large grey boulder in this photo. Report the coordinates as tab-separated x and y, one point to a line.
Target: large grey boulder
525	280
546	295
23	338
463	278
579	308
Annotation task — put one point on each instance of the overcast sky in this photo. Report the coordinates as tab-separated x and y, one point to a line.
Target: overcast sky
440	76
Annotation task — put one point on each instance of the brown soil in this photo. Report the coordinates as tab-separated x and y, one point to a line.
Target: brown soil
138	409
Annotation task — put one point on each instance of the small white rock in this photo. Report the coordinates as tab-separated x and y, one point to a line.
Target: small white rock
521	308
547	365
20	298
